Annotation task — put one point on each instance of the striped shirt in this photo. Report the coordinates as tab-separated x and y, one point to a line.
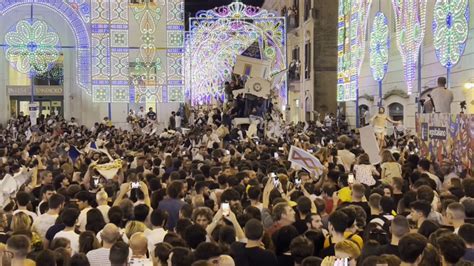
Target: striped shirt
99	257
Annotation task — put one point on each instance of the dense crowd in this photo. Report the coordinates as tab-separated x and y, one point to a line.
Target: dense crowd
206	192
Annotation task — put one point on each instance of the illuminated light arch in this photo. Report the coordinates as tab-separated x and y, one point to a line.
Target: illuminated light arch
77	26
379	46
217	36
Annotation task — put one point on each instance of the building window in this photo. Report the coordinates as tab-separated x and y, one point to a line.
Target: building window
294	15
307	9
395	111
307	60
295	64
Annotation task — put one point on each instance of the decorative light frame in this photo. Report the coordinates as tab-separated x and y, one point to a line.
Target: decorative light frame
218	35
410	20
450	30
352	24
379	46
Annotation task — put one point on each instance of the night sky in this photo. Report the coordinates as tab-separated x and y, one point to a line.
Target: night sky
193	6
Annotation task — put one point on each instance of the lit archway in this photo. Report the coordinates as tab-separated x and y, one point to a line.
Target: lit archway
219	35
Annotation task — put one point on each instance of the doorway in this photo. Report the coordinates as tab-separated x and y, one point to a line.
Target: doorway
47	105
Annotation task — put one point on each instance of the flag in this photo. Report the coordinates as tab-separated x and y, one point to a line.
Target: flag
109	170
74	153
306	160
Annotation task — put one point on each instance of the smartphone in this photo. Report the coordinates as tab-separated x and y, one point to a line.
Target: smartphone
297	183
310	151
227	152
331	142
281	149
342	262
135	184
96	182
275	155
350	178
225	208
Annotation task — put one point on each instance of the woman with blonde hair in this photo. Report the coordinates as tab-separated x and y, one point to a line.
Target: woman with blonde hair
346	249
21	222
133	227
390	167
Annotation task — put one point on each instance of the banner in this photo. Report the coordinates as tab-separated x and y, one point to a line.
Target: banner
447	137
306	160
369	143
109	170
34	112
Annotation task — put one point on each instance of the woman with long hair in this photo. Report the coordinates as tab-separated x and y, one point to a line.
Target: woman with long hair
390	167
88	242
365	171
95	221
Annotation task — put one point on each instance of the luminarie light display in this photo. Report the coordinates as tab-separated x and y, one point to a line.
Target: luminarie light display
32	48
217	36
410	20
379	47
352	25
450	29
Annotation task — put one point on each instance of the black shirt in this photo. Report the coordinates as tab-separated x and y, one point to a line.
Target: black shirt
390	249
252	256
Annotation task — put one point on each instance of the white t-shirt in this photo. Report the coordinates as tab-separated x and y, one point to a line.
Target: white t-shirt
82	221
27	212
442	99
72	236
99	257
43	223
156	236
104	209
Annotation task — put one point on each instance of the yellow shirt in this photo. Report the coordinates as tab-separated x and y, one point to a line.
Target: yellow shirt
348	235
345	194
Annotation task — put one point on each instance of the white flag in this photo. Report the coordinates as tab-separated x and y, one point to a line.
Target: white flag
306	160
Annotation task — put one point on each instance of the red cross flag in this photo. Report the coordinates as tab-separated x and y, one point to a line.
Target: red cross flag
305	160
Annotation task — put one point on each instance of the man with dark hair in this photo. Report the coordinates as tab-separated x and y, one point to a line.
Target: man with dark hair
338	223
69	218
194	234
173	203
180	256
314	222
158	220
398	228
420	210
455	215
282	215
119	254
411	248
46	220
207	251
452	249
83	199
252	253
45	258
140	212
424	168
466	232
23	199
47	190
304	209
468	187
301	248
358	193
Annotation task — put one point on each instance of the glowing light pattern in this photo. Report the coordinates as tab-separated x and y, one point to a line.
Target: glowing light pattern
352	25
76	24
32	48
82	7
217	36
410	20
379	47
450	28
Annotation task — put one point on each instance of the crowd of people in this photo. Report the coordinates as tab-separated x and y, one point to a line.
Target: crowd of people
214	194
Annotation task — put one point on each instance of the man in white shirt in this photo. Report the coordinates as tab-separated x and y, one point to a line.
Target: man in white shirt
102	199
48	219
22	200
69	218
347	157
83	202
210	138
100	257
141	114
442	97
158	219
